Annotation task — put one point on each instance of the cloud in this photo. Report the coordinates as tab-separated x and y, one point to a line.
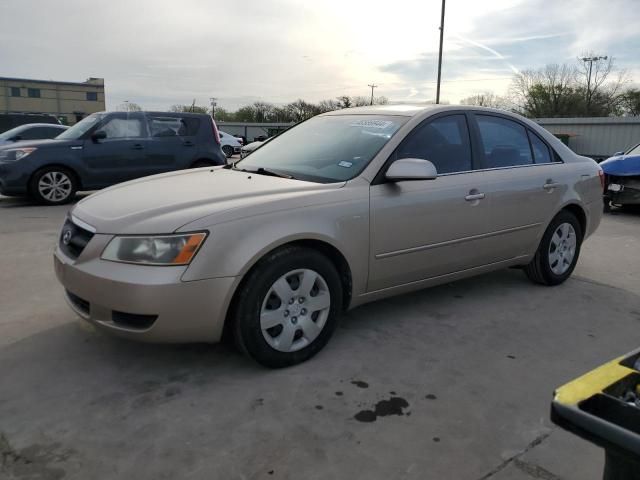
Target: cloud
159	52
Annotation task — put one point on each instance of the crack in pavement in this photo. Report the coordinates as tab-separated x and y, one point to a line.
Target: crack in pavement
534	470
536	441
34	461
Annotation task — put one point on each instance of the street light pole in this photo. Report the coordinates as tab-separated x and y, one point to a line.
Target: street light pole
591	60
372	85
213	107
440	52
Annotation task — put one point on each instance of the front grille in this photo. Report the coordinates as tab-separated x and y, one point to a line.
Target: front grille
133	320
80	303
74	239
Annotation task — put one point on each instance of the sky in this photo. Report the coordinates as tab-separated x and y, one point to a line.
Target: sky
157	53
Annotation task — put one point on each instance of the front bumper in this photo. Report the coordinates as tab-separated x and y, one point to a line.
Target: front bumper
143	302
14	178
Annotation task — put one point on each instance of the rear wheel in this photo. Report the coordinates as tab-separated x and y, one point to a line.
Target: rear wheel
228	150
287	309
53	186
558	252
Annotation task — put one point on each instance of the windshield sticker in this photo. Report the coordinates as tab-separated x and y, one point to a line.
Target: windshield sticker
345	164
381	124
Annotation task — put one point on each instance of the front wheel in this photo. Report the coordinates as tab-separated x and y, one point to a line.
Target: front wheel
228	150
287	308
558	252
53	186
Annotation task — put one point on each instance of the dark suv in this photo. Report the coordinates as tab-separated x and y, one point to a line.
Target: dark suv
108	148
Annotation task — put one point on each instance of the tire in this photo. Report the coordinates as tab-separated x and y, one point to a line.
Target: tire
558	252
299	293
53	186
228	150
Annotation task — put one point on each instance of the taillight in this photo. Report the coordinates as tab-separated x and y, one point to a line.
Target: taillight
216	134
601	175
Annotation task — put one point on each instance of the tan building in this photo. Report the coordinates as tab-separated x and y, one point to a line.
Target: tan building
69	101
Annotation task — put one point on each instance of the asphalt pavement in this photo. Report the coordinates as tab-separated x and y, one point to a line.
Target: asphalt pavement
452	382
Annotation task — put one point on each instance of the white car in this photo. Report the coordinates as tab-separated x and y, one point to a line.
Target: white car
230	144
247	149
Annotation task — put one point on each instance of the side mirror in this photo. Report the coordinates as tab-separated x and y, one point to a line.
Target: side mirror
411	169
99	135
617	154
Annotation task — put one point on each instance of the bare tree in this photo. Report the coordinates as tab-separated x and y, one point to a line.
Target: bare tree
344	101
630	102
128	106
487	99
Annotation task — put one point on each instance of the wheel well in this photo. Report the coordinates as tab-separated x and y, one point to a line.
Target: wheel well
328	250
58	165
579	214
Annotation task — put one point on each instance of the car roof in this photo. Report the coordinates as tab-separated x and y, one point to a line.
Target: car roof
410	110
48	125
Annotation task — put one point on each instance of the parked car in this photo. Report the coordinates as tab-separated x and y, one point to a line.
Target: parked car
346	208
12	120
31	131
622	178
108	148
230	144
247	149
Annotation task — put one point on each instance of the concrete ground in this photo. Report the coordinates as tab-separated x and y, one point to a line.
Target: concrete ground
453	382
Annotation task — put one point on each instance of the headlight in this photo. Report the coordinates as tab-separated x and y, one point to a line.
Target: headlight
14	154
157	250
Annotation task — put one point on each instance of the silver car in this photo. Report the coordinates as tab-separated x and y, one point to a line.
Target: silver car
346	208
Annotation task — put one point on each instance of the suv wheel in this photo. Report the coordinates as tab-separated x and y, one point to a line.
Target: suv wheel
288	307
558	252
53	186
228	150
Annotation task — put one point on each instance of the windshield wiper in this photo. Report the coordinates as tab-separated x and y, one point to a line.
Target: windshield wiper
266	171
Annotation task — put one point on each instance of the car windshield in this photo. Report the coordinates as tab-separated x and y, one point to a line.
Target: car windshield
325	149
634	151
80	128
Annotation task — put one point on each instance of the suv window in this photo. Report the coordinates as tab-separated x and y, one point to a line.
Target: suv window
123	128
443	141
34	133
504	142
541	153
161	126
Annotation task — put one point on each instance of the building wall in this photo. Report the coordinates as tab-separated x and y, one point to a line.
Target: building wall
596	137
61	99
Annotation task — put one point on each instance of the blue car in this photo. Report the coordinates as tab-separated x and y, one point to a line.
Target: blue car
622	178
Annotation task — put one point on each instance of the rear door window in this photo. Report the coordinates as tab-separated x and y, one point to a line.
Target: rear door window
175	126
443	141
504	142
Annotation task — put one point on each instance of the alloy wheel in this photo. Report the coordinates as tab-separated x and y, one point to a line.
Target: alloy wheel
562	248
295	310
55	186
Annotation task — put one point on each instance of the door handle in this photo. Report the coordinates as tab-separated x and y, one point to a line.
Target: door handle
550	185
474	196
188	144
137	146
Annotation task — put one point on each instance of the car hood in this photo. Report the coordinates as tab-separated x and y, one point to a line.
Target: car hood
49	143
622	165
165	203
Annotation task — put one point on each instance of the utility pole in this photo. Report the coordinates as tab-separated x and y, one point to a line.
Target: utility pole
440	52
372	85
213	107
591	60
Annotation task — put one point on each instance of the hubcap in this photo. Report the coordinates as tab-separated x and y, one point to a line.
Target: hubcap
562	248
295	310
54	186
